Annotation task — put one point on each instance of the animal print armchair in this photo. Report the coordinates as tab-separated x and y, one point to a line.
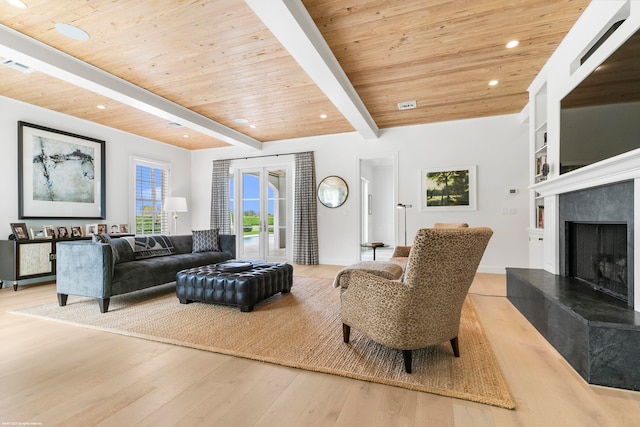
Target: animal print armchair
401	253
425	309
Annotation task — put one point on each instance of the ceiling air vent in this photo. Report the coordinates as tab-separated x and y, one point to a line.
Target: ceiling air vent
175	125
407	105
601	40
17	66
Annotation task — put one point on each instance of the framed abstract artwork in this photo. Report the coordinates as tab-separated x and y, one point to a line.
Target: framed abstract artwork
60	174
451	188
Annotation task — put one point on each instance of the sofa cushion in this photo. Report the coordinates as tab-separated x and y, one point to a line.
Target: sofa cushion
122	250
206	240
150	246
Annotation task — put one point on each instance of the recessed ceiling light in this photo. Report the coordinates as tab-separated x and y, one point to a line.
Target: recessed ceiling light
493	82
101	107
512	44
72	32
185	136
17	3
241	121
252	126
323	116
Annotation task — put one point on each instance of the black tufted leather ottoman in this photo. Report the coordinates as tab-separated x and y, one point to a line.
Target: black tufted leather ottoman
242	289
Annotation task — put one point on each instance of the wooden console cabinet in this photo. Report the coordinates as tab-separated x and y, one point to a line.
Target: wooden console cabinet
27	259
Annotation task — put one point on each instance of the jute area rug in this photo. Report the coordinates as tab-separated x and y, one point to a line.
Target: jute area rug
301	329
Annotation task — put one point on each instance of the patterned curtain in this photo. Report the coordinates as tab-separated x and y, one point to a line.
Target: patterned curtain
220	216
305	220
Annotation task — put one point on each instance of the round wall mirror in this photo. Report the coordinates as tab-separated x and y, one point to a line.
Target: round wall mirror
333	191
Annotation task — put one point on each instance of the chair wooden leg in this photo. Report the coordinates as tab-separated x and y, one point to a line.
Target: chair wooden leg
407	360
454	345
346	332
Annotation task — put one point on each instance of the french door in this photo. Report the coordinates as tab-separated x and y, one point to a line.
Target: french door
263	212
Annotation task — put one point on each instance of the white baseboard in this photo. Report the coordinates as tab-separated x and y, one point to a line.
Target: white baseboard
491	269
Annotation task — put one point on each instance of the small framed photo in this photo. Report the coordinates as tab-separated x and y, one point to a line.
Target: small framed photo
90	229
76	231
102	228
124	228
63	232
38	233
50	231
19	230
448	189
114	229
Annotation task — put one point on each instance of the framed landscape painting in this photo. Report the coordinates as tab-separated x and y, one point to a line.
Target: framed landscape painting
444	189
60	174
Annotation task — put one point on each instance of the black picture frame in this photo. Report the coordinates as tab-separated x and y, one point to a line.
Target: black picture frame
61	175
20	231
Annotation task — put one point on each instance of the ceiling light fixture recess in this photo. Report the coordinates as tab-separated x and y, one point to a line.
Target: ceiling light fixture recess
493	82
512	44
17	3
241	121
101	107
72	32
323	116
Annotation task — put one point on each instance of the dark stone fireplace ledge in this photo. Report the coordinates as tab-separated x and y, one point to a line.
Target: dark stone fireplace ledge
597	334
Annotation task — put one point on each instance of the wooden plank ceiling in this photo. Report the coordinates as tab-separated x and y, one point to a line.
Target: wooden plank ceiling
218	59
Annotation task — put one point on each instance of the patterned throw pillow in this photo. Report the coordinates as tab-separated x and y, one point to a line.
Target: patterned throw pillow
150	246
206	240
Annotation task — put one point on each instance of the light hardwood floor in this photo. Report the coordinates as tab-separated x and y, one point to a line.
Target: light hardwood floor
55	374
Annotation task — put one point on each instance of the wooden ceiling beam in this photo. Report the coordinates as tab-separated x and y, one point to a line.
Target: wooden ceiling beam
45	59
291	24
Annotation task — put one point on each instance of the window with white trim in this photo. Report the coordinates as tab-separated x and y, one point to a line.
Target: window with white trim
151	187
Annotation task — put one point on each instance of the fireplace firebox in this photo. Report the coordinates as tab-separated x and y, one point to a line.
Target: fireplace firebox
597	256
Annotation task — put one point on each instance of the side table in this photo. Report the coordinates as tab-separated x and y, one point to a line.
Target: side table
374	246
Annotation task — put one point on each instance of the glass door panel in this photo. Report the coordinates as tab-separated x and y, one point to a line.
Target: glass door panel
263	206
250	230
276	220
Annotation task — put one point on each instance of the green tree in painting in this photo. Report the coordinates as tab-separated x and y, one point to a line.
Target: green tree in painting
448	188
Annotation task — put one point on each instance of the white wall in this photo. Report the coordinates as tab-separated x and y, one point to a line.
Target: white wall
383	206
496	145
119	147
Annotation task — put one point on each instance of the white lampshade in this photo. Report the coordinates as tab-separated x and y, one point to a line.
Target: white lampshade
175	204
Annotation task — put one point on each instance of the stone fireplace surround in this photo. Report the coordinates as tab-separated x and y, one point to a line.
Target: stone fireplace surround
612	203
596	333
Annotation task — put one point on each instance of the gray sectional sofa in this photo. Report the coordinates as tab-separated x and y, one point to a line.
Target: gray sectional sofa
116	266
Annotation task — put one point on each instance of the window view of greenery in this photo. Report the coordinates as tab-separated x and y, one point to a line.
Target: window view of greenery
251	204
150	188
448	188
251	223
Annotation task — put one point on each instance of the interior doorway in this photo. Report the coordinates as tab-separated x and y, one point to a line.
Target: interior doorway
377	206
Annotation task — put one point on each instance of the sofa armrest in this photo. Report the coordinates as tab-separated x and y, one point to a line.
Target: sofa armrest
84	268
228	244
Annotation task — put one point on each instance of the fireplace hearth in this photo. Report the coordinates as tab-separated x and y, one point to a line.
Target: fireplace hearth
597	333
